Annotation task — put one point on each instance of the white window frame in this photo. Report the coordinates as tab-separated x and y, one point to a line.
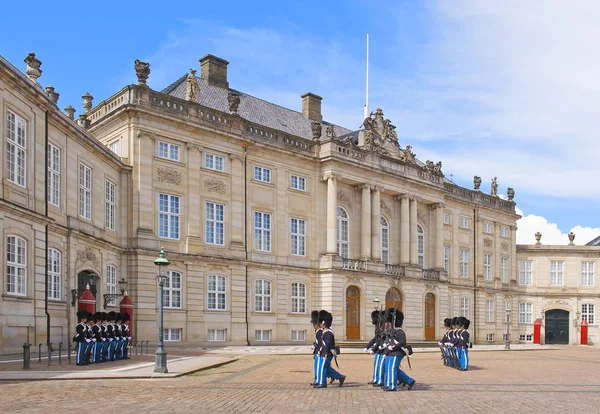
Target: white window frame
298	335
172	290
169	211
526	272
490	337
262	174
447	259
557	272
488	273
525	338
262	295
488	227
16	265
298	297
297	236
54	274
86	179
214	162
298	182
215	223
504	231
464	263
54	162
217	335
216	293
447	218
465	305
421	246
490	305
588	274
172	334
110	210
262	335
169	151
115	146
262	231
16	149
588	313
525	312
465	222
343	225
504	265
111	283
384	234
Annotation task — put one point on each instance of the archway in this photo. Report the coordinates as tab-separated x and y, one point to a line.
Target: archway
557	326
83	279
352	312
393	298
429	317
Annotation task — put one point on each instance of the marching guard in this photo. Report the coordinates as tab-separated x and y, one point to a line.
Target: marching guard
81	337
327	352
396	349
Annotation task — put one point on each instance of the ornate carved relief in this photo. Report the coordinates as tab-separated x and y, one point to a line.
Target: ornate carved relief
421	216
430	287
342	198
87	255
558	303
395	282
488	243
215	186
168	175
354	279
385	209
212	268
504	246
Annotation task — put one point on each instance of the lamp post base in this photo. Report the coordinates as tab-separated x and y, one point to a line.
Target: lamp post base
160	361
506	345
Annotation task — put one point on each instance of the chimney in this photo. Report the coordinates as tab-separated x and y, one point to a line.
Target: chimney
311	107
213	70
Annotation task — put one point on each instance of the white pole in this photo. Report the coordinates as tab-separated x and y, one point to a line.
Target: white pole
366	114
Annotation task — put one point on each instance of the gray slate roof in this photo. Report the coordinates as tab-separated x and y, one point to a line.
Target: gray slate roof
253	109
595	242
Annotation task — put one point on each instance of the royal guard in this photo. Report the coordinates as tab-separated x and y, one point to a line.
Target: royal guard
110	332
327	352
398	349
373	346
126	336
81	337
314	320
104	332
464	343
444	341
97	338
118	336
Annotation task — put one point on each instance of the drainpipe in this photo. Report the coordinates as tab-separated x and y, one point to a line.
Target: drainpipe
46	230
474	275
246	238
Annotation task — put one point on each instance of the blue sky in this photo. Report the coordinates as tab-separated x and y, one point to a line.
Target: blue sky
507	89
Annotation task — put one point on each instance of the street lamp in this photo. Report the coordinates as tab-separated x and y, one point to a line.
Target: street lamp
109	297
160	360
75	293
376	302
507	339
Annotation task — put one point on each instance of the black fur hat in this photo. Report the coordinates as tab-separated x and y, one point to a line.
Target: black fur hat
97	317
126	317
461	321
328	320
322	316
118	317
455	321
314	317
82	314
466	323
448	322
399	319
104	316
112	315
375	317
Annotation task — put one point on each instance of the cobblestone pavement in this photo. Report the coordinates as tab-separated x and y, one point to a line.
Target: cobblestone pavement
548	381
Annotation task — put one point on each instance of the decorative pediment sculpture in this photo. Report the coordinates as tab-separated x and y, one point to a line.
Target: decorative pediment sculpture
406	155
316	129
494	187
476	182
433	168
191	87
379	135
510	193
142	71
330	132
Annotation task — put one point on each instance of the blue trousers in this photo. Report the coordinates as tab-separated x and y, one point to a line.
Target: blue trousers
380	369
80	353
394	373
315	367
325	370
96	354
124	343
464	359
376	358
104	350
110	355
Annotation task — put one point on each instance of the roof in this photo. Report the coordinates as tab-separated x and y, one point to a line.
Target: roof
251	108
594	242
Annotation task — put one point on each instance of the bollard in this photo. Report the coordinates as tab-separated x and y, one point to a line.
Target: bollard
141	347
134	345
147	347
69	348
50	353
60	353
40	353
26	356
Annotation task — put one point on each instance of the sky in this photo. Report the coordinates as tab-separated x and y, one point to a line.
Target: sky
504	89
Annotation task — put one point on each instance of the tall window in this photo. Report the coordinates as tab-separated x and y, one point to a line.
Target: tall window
464	307
262	174
525	272
54	274
262	296
504	231
587	313
85	191
215	223
447	218
168	216
421	246
216	293
342	232
506	309
488	227
172	290
298	298
465	222
557	272
587	274
504	268
115	147
298	237
214	162
447	258
490	310
53	175
110	205
298	183
487	266
385	240
16	149
168	151
111	283
464	263
16	265
525	312
262	231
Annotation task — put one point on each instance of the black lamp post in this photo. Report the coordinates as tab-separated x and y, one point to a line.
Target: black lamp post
109	297
75	293
160	361
507	340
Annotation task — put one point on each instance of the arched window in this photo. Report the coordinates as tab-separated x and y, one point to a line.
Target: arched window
385	240
342	232
54	274
421	245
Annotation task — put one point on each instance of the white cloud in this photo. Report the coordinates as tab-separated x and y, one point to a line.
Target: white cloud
530	224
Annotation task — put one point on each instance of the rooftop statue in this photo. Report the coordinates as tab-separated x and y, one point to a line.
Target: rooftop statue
142	71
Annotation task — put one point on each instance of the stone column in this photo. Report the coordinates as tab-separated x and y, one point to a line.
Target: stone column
404	230
439	236
414	259
331	213
145	174
365	223
237	200
376	223
193	213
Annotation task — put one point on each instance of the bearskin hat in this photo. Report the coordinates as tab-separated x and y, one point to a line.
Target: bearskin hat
82	314
97	316
448	322
104	316
375	317
455	321
461	321
466	323
399	319
314	317
112	315
328	320
322	316
118	316
125	317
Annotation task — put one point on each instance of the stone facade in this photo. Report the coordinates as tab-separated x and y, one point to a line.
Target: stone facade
248	201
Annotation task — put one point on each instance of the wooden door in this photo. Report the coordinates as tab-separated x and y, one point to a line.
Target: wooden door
429	317
557	327
352	312
393	298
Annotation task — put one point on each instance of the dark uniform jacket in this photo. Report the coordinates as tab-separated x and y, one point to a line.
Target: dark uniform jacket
80	332
327	343
397	342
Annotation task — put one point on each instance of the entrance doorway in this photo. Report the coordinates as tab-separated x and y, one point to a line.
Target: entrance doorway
557	326
429	317
352	312
83	279
393	298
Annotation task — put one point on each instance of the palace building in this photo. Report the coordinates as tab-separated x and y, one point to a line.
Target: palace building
265	214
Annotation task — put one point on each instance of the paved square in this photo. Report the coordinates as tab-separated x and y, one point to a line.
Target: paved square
547	381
